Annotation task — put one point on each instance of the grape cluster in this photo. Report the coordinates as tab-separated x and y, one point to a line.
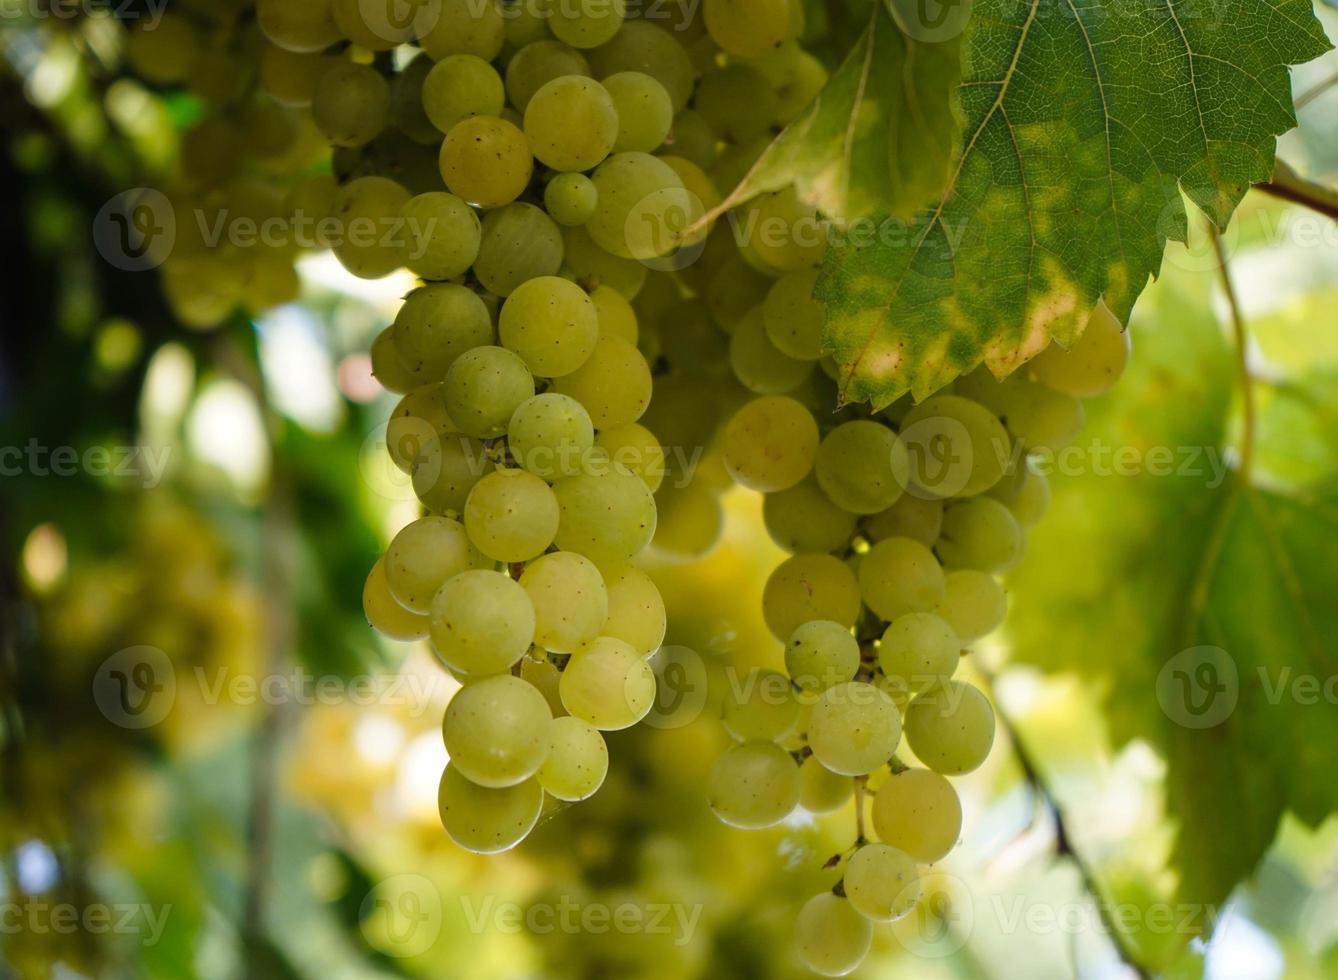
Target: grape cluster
899	524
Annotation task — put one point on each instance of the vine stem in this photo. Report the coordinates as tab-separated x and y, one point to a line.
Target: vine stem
1242	357
1287	185
861	785
1311	94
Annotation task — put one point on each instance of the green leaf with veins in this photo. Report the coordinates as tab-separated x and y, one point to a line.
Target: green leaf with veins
1084	121
880	137
1127	571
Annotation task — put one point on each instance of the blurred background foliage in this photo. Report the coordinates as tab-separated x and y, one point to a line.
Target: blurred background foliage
281	836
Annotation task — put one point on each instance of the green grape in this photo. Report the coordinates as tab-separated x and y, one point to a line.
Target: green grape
617	318
351	104
821	654
551	435
808	79
1094	362
290	77
525	24
973	603
437	324
737	101
918	812
586	23
538	670
854	728
537	64
803	518
753	785
950	728
482	622
487	821
591	266
406	103
807	587
636	610
613	383
643	206
389	368
912	516
608	684
862	466
882	883
830	936
571	123
645	47
734	291
423	555
484	386
570	199
366	208
820	789
690	520
486	160
792	317
415	425
578	760
760	705
957	447
900	576
918	649
980	533
1042	418
607	516
462	27
296	25
519	243
571	604
384	613
790	233
634	448
496	731
450	466
370	28
1025	492
758	363
461	86
511	515
750	28
644	111
551	323
692	138
770	443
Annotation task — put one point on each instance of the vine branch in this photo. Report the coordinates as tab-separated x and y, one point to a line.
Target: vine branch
1242	357
1287	185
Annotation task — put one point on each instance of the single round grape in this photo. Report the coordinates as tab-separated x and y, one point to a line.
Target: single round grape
484	820
537	64
441	233
571	604
511	515
388	366
578	760
692	138
484	387
793	318
437	324
760	705
918	812
749	28
351	104
635	449
538	670
636	609
608	684
519	243
370	28
830	936
643	46
450	466
366	209
703	196
296	25
1093	363
571	123
496	731
1042	418
450	27
482	622
384	613
423	555
758	363
803	518
644	111
643	207
882	882
591	265
753	785
973	603
919	649
586	23
613	383
950	728
415	425
690	520
406	102
551	435
1027	495
900	576
770	443
570	199
795	235
486	161
912	516
460	86
608	516
807	587
854	728
737	101
821	654
862	467
551	323
735	291
957	446
980	533
820	789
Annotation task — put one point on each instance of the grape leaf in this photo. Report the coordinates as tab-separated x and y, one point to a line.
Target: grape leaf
879	138
1084	120
1128	572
